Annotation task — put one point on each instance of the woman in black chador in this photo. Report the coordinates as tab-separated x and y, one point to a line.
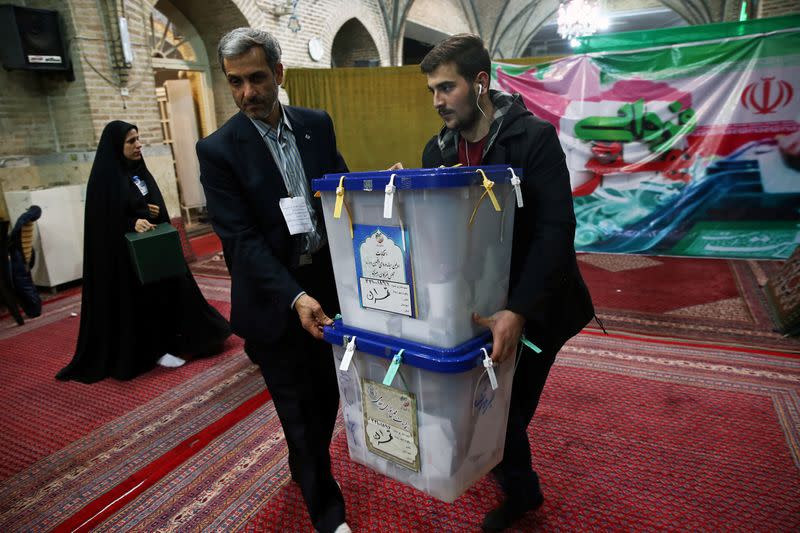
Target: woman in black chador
127	328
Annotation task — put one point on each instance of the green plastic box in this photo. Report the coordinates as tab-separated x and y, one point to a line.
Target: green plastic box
156	254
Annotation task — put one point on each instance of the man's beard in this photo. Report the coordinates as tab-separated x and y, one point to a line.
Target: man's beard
263	103
472	118
260	113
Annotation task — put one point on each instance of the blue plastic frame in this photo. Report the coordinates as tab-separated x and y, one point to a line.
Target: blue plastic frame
415	178
442	360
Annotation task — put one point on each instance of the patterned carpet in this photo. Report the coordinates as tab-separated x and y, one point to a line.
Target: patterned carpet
63	411
630	435
212	266
702	300
633	432
206	245
52	489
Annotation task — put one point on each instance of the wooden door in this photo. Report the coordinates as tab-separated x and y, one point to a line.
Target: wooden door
184	134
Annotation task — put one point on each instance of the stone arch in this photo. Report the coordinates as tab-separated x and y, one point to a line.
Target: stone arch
212	19
429	22
448	16
369	19
199	26
354	46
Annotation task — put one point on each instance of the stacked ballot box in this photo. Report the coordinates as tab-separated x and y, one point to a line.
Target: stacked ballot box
415	252
439	425
442	252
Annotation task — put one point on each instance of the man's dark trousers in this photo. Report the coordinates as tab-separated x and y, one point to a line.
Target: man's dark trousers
515	473
298	371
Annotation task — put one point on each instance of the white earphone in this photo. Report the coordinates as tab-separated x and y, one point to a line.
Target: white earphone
478	97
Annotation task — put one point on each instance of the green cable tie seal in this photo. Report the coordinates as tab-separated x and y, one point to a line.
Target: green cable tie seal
393	368
530	345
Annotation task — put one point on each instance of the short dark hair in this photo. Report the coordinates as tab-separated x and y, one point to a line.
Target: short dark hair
465	50
239	41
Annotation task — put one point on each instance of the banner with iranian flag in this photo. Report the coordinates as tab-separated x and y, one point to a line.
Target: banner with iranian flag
683	141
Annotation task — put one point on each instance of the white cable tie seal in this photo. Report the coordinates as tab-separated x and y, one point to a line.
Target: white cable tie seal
489	365
388	199
515	181
348	355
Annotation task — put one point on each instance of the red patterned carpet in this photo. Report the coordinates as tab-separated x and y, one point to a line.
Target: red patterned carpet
631	435
700	431
206	245
705	300
40	415
212	267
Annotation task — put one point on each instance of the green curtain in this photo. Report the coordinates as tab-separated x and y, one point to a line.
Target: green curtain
381	115
632	40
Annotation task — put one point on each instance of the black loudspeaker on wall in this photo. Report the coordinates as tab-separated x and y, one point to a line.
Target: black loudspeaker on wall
32	39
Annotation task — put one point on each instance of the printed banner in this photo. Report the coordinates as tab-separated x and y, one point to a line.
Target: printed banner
383	267
687	148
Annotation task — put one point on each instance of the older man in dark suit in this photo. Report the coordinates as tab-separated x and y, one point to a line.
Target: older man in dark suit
256	171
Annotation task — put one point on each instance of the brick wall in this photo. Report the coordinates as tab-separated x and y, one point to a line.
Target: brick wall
776	8
25	126
41	112
323	19
49	127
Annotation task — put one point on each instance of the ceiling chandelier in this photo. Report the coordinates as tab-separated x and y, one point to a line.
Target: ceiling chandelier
579	18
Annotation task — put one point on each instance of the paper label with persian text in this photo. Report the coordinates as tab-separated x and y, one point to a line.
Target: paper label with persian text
383	267
390	424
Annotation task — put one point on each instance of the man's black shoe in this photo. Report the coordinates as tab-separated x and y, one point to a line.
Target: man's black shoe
499	476
511	510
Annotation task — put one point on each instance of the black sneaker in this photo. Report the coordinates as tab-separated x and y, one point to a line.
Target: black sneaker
508	512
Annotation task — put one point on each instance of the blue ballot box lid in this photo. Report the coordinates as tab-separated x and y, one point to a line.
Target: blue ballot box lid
416	178
443	360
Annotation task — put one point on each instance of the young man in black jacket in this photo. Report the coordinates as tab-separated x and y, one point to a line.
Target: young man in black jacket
547	299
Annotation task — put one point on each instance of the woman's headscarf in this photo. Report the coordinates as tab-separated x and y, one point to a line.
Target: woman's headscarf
107	189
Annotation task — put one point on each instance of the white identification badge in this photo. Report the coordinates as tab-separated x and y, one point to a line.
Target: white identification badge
141	184
295	211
